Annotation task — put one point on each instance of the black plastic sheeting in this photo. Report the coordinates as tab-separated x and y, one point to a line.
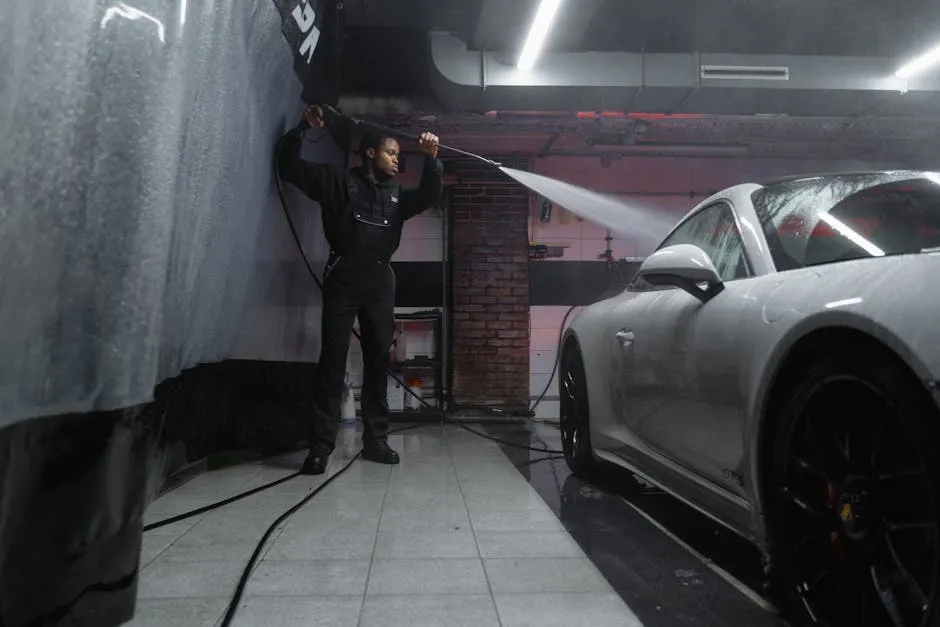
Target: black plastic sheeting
73	490
140	227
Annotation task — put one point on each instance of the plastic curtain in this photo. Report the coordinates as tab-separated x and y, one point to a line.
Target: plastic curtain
139	227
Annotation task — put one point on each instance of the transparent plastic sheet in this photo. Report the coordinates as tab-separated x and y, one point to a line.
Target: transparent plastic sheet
135	190
140	234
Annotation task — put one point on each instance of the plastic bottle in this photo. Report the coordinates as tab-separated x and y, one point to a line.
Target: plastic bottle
349	403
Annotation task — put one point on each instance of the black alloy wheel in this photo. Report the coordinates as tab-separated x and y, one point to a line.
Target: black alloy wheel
854	503
575	429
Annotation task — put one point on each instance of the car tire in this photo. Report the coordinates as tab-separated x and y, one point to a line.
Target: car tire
853	495
575	413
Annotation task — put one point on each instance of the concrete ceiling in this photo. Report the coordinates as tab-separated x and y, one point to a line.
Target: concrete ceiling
456	16
895	28
502	25
818	27
883	28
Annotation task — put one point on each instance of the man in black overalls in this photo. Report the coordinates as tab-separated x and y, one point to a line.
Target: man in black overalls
363	214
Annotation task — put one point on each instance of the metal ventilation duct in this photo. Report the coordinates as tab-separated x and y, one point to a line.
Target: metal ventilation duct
728	84
745	72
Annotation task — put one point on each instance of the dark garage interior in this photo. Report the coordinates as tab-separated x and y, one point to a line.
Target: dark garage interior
656	306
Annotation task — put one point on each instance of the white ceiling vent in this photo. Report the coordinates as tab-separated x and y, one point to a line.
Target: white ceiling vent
745	72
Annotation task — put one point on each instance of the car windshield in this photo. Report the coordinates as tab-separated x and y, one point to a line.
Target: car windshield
827	219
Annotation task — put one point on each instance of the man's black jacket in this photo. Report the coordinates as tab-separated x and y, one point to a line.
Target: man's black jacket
333	187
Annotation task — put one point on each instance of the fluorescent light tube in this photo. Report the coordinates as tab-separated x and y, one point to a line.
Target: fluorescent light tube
538	33
918	65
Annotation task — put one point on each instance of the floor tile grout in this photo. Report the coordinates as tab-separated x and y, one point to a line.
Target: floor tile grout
476	540
375	540
425	481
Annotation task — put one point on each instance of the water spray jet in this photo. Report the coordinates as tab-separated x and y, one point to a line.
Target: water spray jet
612	213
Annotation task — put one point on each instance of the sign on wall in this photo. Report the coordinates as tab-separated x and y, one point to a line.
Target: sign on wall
314	31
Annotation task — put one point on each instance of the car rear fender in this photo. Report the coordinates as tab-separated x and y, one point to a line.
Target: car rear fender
802	333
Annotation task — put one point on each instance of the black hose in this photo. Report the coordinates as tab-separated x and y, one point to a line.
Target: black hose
538	460
246	573
561	337
212	506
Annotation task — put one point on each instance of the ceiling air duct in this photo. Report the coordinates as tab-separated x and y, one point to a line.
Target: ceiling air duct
677	83
745	72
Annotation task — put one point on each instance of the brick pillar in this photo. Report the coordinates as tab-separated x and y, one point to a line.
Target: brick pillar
491	287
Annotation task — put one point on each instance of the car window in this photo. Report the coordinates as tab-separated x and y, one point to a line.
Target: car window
715	231
821	220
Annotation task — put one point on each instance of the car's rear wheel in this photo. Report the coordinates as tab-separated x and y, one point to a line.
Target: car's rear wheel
854	494
575	414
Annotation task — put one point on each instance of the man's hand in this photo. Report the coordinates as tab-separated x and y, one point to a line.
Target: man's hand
428	144
314	116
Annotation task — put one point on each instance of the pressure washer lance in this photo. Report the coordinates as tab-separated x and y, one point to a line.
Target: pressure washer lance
403	135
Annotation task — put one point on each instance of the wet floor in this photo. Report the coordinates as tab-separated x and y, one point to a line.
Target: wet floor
453	536
466	531
663	582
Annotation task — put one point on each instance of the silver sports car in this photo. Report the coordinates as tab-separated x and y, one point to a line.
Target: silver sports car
775	365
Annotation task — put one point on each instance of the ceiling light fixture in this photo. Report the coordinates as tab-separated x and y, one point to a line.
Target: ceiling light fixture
918	65
538	33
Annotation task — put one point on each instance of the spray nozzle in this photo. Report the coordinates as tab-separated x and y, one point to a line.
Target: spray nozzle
333	111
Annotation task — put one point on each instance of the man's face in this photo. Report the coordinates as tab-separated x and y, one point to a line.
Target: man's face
386	158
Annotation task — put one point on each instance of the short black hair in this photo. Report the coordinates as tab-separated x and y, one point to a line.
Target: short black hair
372	139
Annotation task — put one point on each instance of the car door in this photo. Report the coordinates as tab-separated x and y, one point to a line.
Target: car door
678	373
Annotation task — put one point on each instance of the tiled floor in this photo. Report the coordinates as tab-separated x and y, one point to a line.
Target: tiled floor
455	535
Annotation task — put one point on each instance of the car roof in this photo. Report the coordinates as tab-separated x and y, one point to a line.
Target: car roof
832	175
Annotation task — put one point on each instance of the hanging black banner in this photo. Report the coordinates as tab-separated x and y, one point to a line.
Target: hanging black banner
314	31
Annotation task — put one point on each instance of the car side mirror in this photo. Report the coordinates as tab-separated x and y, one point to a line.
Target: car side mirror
684	266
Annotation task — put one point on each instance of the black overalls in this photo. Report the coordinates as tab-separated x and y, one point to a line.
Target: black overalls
362	221
358	281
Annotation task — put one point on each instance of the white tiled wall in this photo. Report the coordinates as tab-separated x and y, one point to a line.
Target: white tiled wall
422	238
545	325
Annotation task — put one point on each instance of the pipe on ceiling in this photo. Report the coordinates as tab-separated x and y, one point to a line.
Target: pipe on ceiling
696	83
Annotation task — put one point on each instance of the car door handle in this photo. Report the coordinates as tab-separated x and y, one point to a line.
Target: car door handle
625	337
